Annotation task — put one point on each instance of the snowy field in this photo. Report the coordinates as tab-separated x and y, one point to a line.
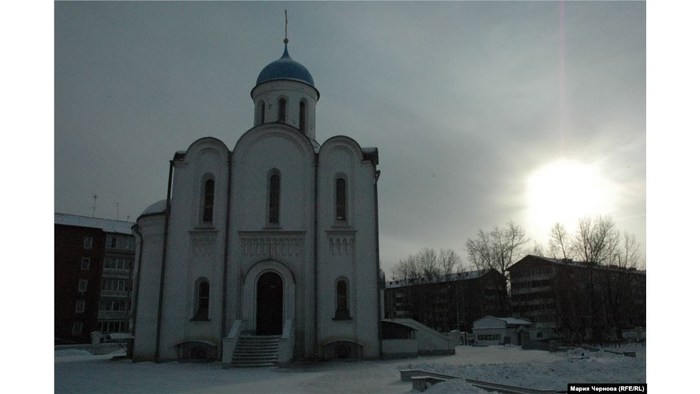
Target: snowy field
80	372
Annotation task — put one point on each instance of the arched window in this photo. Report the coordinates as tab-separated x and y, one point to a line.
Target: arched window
273	200
341	300
208	201
202	300
341	200
261	112
282	109
302	116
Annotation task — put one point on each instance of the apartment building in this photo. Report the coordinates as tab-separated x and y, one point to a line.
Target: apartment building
93	260
577	300
448	302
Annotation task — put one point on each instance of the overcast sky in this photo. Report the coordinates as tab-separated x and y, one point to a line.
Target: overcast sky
466	102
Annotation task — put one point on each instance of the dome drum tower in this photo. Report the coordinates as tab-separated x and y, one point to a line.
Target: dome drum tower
285	93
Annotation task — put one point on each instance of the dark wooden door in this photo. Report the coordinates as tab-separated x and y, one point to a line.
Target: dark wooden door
270	297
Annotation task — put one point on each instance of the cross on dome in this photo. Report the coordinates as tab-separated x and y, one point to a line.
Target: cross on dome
286	40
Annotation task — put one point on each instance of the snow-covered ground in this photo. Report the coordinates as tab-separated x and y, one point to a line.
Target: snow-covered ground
80	372
575	366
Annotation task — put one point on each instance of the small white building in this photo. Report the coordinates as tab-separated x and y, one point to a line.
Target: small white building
275	237
492	330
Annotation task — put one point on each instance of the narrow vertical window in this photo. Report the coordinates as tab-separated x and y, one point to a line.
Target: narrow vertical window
302	116
274	199
261	112
341	200
341	300
80	306
208	203
202	301
282	110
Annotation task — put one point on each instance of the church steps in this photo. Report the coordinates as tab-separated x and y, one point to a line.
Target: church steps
256	351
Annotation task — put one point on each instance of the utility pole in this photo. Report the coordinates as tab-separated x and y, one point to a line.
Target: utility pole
94	203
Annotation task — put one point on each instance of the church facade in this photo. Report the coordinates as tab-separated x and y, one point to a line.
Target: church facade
274	238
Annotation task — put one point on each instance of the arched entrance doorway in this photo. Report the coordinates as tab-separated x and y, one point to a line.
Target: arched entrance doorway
270	299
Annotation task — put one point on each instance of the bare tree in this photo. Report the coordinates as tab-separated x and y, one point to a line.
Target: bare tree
406	269
559	241
449	262
479	251
536	249
627	255
419	271
596	241
427	264
497	249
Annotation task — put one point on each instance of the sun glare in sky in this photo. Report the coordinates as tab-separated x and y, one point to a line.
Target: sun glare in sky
565	191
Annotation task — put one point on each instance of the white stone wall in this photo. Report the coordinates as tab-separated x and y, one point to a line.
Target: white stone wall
347	249
492	326
195	249
148	282
254	241
400	348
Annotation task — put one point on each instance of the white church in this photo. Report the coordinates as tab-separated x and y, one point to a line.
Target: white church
267	252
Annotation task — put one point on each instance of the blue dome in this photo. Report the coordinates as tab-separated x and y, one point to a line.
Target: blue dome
285	69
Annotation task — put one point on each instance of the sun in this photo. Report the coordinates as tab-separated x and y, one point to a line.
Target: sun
564	191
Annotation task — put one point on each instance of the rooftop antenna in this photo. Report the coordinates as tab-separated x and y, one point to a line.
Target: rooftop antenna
286	40
117	210
94	203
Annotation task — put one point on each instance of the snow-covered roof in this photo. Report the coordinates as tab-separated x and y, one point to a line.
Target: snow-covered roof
510	321
568	262
577	264
106	225
156	207
402	322
444	278
514	321
412	324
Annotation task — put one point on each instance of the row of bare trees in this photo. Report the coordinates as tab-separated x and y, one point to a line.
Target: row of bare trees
596	241
593	240
428	265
